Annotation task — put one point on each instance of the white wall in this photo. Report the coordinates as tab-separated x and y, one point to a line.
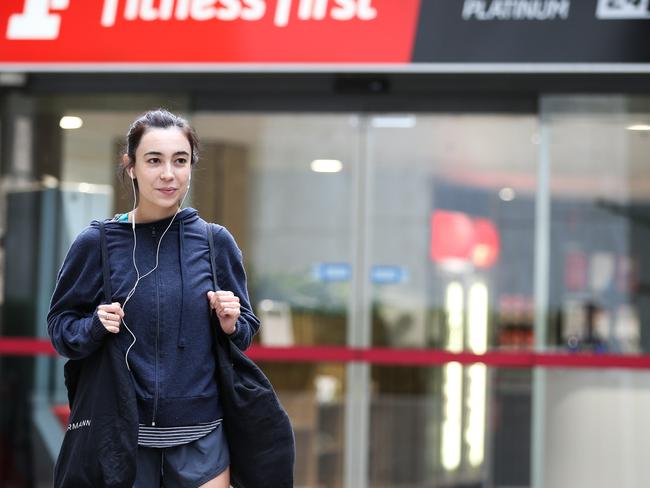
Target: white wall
597	429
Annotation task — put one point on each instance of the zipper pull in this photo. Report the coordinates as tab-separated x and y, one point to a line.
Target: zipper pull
153	424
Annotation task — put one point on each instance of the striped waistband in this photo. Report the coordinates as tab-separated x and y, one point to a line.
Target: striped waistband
149	436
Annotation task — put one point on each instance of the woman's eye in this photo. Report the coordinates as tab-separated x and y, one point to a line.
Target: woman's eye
181	160
154	160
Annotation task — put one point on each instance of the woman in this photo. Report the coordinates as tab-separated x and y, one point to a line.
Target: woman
162	286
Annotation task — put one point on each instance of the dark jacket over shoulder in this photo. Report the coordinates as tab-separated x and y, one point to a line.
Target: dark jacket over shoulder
172	360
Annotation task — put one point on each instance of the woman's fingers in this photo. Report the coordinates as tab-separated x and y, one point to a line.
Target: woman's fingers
110	315
228	310
222	295
223	299
114	308
227	307
112	328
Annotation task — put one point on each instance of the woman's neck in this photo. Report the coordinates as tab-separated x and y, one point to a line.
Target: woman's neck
143	215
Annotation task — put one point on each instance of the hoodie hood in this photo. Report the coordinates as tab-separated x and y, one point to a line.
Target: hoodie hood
186	215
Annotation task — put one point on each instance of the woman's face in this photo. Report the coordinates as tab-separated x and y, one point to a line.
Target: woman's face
162	168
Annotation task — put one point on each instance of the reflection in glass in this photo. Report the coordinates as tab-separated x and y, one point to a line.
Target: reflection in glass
600	211
452	205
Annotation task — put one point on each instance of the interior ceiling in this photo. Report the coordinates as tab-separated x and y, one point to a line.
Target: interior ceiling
591	155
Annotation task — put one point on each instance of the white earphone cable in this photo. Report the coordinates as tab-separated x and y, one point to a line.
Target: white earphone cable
137	271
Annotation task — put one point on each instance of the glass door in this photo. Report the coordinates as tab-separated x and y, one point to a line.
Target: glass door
451	246
284	184
596	150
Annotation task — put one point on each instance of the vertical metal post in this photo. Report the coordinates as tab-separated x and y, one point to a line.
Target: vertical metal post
357	405
542	267
51	433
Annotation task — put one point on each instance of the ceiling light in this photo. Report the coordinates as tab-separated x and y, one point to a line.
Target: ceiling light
326	165
12	79
70	122
394	122
639	127
507	194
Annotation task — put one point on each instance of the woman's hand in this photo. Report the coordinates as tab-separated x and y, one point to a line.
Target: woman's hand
227	307
110	315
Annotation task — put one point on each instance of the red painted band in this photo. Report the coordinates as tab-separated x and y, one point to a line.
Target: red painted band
25	346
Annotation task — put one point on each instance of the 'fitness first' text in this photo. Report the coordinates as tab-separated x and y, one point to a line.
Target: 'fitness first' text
229	10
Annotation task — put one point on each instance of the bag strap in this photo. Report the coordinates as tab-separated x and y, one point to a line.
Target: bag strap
108	293
221	336
213	255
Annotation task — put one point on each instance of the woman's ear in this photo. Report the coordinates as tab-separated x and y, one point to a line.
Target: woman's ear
129	167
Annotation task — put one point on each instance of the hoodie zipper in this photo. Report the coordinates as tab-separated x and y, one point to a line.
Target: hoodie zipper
155	397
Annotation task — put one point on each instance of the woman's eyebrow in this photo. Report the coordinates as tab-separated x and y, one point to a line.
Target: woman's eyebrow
158	153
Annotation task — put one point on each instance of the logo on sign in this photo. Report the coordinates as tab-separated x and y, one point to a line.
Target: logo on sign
36	22
516	9
623	9
228	10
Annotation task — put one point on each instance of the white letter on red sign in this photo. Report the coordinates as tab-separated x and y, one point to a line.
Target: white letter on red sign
346	10
203	9
131	10
304	9
36	21
320	9
282	12
166	9
147	11
182	9
349	9
109	13
255	9
365	10
312	9
230	10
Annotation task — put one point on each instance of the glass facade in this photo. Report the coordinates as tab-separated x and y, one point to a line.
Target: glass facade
598	153
395	233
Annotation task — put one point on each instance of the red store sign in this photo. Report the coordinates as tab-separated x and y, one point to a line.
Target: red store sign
51	32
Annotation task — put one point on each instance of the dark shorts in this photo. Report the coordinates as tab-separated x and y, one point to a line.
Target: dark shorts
186	466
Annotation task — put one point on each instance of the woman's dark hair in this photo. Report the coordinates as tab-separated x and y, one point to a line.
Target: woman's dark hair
156	119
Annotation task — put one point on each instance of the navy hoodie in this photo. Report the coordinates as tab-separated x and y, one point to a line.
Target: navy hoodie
172	361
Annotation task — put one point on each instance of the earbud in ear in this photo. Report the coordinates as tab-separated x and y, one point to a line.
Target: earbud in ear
131	174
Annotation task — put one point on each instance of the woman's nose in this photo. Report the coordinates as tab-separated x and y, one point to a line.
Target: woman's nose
166	172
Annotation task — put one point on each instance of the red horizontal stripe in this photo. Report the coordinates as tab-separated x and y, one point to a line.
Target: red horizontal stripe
25	346
433	357
304	354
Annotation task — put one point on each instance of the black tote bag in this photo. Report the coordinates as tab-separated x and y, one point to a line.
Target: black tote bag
99	448
260	437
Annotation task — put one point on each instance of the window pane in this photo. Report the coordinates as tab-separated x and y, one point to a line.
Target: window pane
600	182
313	394
452	226
282	184
451	425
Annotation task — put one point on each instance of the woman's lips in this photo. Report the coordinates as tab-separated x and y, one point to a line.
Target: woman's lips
167	191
